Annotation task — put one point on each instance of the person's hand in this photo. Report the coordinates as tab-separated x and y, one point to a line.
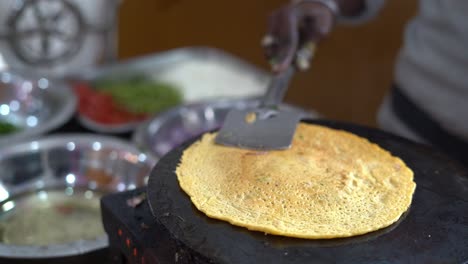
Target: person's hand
293	31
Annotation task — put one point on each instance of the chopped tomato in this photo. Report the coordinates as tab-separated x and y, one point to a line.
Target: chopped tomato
101	108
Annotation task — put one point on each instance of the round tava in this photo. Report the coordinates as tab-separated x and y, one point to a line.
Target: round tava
433	230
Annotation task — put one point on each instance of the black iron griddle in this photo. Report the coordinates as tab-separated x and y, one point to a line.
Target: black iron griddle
434	230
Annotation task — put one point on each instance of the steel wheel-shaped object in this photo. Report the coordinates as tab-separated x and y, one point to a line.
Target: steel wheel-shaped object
46	32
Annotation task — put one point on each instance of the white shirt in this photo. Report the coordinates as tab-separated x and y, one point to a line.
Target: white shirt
432	67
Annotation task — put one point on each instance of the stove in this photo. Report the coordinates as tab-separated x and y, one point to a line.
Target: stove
134	235
158	224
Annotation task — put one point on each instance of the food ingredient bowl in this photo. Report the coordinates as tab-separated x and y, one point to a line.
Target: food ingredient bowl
29	108
168	130
50	190
197	74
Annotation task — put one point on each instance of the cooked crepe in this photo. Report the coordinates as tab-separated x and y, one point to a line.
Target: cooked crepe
329	184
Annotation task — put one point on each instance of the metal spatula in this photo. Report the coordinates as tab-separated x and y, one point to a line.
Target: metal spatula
266	127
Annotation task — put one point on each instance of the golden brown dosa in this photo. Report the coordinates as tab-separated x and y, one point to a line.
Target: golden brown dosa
329	184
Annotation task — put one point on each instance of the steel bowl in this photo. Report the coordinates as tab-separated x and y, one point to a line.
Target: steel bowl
35	106
168	130
67	163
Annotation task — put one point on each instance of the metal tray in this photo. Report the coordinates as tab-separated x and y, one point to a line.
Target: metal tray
67	163
159	65
35	105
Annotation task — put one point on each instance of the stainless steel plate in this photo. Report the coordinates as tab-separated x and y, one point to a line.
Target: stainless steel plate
82	165
169	129
201	80
34	106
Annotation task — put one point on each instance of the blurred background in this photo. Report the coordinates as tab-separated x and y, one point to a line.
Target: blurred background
352	70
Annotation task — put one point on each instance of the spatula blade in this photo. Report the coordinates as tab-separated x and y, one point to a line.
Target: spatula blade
275	132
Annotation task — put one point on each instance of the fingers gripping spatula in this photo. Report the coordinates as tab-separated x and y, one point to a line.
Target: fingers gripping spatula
266	127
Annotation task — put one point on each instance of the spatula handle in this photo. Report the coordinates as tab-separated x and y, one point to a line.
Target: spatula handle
277	88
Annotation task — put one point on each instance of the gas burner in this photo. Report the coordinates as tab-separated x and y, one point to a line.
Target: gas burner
134	234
